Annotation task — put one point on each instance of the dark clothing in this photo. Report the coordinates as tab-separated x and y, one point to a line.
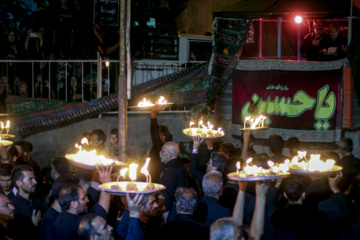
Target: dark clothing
317	191
129	228
350	161
25	207
297	222
314	53
71	222
338	42
47	231
11	195
184	227
175	175
340	215
228	198
22	228
156	167
279	158
213	210
195	171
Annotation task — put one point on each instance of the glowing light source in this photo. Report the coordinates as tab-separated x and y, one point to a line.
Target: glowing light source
298	19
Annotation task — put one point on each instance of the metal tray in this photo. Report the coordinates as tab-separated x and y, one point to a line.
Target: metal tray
149	108
106	187
206	138
335	169
71	159
255	129
6	136
234	177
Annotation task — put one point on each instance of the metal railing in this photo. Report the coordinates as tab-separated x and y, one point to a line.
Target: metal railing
79	80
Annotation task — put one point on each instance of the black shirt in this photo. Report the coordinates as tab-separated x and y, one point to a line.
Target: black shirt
66	225
47	231
25	207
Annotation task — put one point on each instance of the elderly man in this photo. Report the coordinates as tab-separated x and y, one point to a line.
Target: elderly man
174	175
73	202
186	202
209	208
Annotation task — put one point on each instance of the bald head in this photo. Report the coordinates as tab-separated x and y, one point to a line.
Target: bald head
170	150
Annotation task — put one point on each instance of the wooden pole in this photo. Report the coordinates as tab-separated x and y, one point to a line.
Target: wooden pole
128	50
122	83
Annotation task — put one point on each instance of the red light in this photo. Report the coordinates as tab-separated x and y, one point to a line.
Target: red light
298	19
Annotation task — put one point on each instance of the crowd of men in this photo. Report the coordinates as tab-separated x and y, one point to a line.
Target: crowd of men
199	201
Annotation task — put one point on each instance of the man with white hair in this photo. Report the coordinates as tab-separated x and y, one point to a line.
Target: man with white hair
209	208
174	175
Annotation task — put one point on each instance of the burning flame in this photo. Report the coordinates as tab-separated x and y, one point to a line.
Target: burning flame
123	172
315	164
84	140
145	103
132	173
259	171
144	169
204	130
161	100
89	157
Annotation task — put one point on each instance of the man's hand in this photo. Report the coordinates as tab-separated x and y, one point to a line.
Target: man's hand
246	136
316	41
333	182
135	204
242	185
197	141
157	108
36	217
261	189
104	173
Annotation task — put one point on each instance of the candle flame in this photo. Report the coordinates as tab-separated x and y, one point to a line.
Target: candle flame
7	124
270	163
161	100
132	172
123	172
192	123
144	169
2	125
145	103
201	122
84	140
238	165
249	160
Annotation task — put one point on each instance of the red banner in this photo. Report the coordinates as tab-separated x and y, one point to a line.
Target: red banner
304	104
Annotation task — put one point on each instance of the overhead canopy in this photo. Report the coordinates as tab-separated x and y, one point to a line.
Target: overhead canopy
275	8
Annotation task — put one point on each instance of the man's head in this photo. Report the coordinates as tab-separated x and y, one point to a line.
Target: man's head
334	30
216	162
11	36
319	26
59	166
186	200
97	139
165	135
85	177
23	87
227	148
94	227
293	145
23	179
62	181
149	206
5	177
212	184
114	137
4	79
170	150
225	228
6	209
294	190
73	199
346	146
276	144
